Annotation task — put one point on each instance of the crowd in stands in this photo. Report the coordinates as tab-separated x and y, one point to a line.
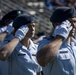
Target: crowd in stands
53	4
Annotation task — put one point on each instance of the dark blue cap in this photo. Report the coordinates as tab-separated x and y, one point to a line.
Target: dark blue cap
23	19
10	16
62	14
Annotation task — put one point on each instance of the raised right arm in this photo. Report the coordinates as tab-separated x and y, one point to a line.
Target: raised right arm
48	52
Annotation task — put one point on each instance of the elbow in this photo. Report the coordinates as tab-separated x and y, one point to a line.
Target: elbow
41	62
44	60
3	56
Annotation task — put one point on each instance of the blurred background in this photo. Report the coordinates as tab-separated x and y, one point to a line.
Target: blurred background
42	9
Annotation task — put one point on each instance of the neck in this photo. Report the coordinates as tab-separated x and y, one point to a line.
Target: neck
69	39
26	42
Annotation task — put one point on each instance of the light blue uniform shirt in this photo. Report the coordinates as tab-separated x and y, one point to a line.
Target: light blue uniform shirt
65	61
4	64
23	61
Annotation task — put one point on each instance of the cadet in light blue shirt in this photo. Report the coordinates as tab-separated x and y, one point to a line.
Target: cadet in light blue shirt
20	51
65	61
5	23
57	54
22	61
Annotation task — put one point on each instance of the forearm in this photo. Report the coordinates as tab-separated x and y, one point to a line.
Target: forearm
49	52
6	50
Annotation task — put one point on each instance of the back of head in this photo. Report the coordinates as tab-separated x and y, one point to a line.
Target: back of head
23	19
10	16
62	14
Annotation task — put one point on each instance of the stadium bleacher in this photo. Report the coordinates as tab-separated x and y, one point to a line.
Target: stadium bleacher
34	7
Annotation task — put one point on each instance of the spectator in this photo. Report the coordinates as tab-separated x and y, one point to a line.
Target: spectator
72	3
57	54
53	4
20	51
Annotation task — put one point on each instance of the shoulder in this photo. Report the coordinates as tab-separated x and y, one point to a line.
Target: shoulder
45	41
